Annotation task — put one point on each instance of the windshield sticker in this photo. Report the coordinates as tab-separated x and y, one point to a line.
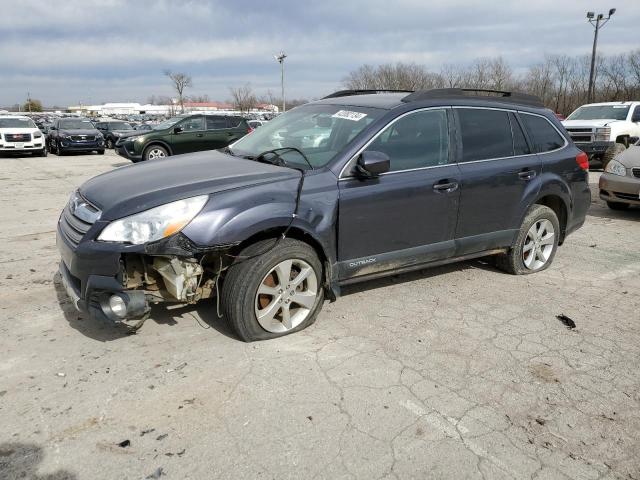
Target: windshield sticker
348	115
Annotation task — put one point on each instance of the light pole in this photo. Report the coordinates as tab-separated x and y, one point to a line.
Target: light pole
600	21
280	58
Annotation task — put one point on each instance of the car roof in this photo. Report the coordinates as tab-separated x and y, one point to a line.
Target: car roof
629	102
385	101
21	117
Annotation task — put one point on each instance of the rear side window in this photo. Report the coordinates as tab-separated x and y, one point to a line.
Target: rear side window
520	146
485	134
545	137
235	122
417	140
216	123
192	124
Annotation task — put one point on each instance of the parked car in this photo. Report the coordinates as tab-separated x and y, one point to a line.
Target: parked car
74	135
255	123
620	183
19	134
112	131
404	182
183	134
604	130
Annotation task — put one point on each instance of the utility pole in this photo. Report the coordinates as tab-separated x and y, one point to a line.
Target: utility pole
600	22
29	101
280	58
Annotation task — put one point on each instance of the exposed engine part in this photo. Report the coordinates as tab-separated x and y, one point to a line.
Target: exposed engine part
181	277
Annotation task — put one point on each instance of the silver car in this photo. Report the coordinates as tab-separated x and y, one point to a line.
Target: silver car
620	182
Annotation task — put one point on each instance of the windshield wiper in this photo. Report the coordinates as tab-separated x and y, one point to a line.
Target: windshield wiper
277	158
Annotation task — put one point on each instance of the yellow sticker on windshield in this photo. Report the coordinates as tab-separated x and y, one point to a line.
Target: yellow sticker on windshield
349	115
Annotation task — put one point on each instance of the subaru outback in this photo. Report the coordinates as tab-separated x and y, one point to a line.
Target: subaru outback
182	134
274	224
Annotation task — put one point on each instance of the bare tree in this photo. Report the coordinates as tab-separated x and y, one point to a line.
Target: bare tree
401	76
243	97
198	98
180	82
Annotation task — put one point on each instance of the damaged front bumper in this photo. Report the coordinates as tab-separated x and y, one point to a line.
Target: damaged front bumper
117	283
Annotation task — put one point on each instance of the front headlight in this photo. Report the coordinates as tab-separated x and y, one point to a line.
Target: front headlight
603	134
616	168
154	224
37	135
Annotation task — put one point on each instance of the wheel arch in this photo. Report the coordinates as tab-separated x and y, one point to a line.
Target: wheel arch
560	208
161	143
297	233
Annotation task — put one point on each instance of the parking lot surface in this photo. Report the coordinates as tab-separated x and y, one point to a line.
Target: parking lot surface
455	372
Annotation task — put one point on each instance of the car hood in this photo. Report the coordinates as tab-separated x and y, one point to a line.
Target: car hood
630	158
71	131
134	188
588	123
131	133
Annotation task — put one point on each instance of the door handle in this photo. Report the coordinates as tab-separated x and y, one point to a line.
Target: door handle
200	135
527	174
446	187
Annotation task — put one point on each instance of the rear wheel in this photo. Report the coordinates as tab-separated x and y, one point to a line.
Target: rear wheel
155	152
617	205
276	291
536	243
611	153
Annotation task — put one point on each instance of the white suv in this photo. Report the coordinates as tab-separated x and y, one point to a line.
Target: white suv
604	130
19	134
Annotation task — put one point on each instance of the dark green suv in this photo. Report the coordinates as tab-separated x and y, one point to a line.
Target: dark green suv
183	134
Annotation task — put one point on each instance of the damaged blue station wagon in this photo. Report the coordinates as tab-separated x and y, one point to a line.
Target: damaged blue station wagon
357	185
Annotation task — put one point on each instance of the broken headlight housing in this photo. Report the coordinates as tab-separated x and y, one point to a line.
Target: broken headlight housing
154	224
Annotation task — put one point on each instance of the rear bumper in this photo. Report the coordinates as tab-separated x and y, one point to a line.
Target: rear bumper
595	148
616	188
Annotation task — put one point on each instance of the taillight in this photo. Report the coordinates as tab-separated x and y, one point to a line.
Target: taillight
249	131
582	159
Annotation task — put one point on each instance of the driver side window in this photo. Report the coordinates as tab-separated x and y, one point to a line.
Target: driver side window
192	124
417	140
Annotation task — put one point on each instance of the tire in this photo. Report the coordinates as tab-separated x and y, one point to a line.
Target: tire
617	205
242	303
59	150
154	152
42	153
517	261
109	143
100	152
611	153
52	148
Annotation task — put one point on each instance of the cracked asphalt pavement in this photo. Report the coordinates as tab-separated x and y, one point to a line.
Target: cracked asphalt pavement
455	372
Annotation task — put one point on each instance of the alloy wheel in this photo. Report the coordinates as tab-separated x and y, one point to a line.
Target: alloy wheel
156	153
286	296
538	244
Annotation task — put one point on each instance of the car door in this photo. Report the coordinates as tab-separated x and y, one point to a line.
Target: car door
500	178
217	133
188	135
407	216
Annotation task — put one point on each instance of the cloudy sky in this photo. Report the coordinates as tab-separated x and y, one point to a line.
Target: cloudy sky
72	51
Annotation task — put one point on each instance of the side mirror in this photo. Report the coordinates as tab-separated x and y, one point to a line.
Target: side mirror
371	164
178	130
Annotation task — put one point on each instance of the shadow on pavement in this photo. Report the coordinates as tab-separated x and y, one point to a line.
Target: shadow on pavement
22	460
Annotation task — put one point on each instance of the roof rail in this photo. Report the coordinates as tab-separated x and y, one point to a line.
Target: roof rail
346	93
504	96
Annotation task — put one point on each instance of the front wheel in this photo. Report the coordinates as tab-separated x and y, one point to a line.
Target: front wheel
43	152
536	243
155	152
273	289
59	150
100	152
